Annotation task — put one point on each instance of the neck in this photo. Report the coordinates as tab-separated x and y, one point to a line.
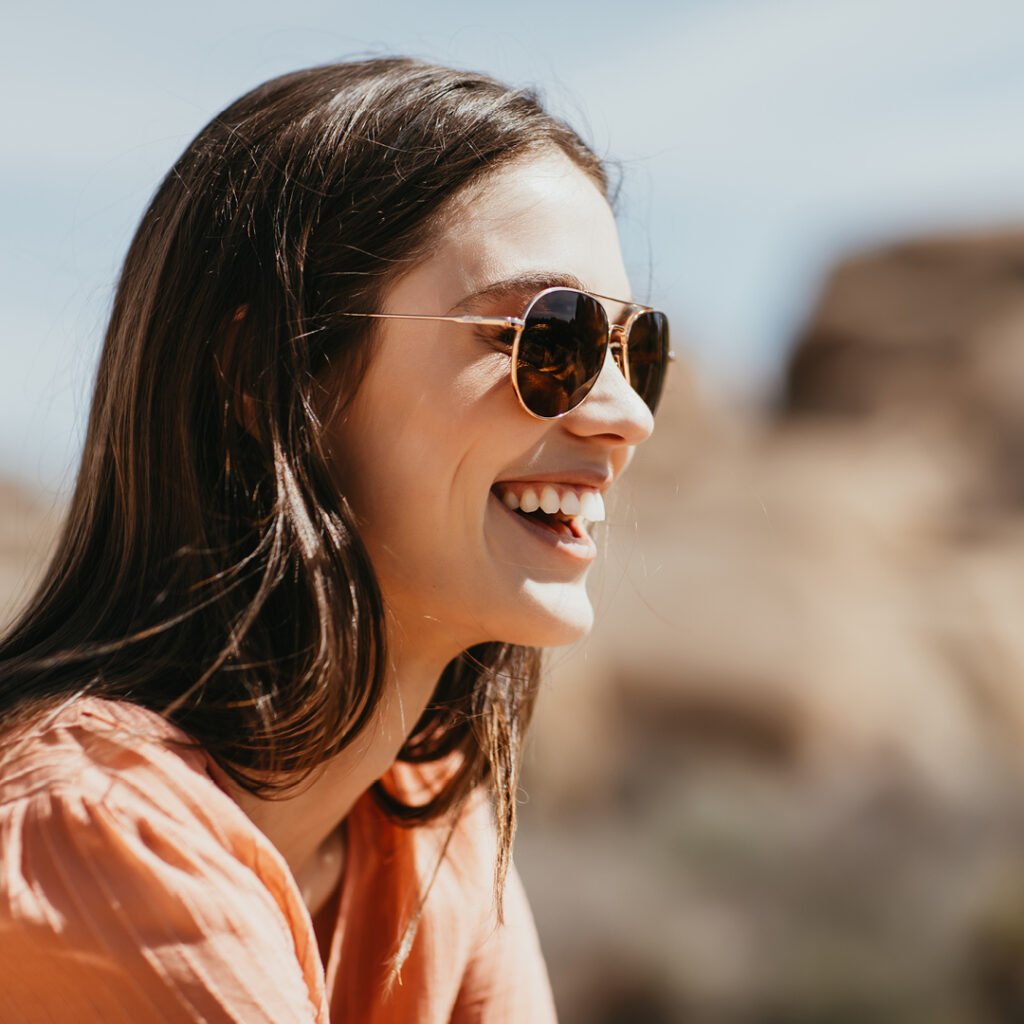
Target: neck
305	827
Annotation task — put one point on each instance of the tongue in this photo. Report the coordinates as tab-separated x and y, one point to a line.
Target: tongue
552	522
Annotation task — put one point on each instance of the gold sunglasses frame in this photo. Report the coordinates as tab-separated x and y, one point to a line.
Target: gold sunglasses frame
518	323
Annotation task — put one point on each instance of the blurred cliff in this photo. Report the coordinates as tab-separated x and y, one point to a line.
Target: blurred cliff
781	783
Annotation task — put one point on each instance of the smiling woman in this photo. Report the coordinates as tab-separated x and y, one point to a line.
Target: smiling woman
361	397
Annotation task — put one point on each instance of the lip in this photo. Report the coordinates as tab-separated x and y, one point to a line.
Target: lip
578	549
597	480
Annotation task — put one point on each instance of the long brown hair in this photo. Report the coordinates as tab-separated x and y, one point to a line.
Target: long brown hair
213	573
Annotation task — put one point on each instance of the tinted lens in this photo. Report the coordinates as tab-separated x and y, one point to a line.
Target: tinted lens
561	351
648	356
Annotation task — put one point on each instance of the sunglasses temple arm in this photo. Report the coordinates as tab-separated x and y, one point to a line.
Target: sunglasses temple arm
495	321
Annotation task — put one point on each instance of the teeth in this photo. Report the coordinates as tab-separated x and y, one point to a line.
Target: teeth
550	501
592	506
587	505
571	504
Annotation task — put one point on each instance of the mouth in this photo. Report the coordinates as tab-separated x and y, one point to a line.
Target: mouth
563	512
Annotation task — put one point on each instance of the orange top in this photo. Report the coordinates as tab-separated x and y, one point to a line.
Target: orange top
134	889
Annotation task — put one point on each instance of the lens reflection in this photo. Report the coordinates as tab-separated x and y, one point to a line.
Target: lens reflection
561	351
648	355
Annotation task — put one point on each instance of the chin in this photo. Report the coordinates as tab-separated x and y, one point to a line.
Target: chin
553	617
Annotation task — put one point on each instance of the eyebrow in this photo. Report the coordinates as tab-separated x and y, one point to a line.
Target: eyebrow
522	286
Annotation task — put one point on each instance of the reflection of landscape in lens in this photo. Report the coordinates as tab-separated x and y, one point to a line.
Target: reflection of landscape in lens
561	351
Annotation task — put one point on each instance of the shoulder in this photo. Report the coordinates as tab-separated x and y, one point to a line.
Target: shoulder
97	758
125	863
80	742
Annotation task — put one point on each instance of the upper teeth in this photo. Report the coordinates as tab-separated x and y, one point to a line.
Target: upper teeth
586	503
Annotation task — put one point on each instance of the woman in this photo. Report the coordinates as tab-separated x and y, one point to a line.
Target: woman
361	396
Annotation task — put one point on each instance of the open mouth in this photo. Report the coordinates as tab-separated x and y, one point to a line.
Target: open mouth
557	522
561	509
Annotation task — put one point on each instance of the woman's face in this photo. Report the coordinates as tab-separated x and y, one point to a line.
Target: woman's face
436	441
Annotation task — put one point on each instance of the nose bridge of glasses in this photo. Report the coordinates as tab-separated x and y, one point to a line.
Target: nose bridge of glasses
618	346
614	400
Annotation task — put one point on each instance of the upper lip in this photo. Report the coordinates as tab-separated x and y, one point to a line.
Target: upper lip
595	479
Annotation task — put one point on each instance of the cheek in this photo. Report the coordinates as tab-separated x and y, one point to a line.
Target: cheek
440	434
481	383
397	468
419	448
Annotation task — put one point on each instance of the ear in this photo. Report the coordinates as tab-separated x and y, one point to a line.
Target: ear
226	368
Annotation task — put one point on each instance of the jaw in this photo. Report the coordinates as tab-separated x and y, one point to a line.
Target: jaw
562	613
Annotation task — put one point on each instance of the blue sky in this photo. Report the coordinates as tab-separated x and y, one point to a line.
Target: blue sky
760	140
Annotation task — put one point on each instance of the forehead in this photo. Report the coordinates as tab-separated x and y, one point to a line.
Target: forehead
539	221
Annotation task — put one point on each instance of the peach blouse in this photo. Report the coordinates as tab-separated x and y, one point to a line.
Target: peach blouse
134	889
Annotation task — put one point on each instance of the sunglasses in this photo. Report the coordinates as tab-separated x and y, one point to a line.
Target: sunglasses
560	343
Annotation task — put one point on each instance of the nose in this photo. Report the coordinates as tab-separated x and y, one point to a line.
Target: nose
612	409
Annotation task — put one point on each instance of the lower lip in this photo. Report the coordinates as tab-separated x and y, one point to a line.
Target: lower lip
582	549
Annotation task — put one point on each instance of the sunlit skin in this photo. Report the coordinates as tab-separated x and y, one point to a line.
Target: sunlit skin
434	427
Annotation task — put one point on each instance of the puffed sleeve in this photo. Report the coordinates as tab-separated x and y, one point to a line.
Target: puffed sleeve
112	910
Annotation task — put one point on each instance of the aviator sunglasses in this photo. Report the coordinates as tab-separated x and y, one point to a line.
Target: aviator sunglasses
560	343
